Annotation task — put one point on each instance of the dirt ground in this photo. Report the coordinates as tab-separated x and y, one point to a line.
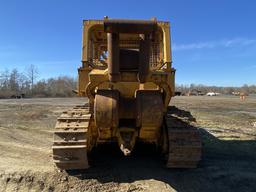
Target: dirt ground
227	126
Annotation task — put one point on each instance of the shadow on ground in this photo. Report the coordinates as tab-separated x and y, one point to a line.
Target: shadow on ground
225	166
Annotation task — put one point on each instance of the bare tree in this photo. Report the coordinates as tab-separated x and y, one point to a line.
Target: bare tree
14	81
32	74
4	79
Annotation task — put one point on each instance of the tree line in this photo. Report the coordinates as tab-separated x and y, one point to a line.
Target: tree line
228	90
18	84
15	83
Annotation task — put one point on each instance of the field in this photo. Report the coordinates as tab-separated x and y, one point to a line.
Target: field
227	126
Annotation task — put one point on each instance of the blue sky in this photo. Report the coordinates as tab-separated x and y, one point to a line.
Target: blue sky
213	41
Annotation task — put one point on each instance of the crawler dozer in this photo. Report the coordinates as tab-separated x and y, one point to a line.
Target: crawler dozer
127	76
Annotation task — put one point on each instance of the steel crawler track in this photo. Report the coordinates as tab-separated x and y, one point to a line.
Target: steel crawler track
184	143
70	139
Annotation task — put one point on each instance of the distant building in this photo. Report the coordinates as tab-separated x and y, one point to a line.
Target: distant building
236	93
195	92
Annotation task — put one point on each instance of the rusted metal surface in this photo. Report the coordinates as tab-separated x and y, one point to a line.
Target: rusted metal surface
126	139
129	26
113	57
106	112
149	108
149	114
144	58
127	108
71	139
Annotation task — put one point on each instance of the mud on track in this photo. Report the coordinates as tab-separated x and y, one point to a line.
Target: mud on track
226	125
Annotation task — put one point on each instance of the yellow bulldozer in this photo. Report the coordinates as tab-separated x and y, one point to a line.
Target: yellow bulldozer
127	76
